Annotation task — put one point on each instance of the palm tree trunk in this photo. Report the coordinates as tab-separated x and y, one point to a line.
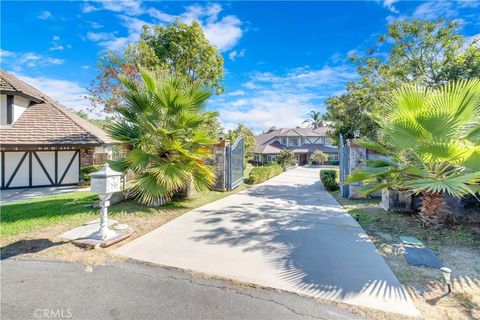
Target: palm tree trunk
435	211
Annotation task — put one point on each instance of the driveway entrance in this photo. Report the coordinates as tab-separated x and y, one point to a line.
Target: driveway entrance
287	233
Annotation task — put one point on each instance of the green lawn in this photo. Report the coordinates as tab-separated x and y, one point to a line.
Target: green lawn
76	208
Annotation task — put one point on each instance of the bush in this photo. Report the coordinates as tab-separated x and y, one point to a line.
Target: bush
332	162
85	173
328	178
263	173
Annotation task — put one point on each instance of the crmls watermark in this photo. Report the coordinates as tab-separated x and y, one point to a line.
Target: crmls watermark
46	313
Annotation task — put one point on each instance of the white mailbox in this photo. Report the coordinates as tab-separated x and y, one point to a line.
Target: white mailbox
105	181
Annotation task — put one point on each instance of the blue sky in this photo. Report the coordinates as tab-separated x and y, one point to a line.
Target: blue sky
282	59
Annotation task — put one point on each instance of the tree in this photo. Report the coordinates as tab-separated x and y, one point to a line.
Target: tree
286	158
427	53
177	48
249	139
431	143
319	157
315	119
160	126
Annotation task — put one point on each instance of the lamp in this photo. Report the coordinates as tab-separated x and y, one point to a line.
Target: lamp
447	274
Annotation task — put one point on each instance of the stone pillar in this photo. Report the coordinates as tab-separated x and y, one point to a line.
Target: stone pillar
219	162
86	156
357	158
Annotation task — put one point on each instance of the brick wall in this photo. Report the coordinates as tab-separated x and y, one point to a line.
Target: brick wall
86	156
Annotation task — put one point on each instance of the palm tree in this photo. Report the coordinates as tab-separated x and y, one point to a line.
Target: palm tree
315	119
161	126
431	143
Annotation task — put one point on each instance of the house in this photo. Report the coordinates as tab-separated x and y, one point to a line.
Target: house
42	142
302	141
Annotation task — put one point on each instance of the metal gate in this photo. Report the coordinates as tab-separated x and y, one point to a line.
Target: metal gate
344	155
235	155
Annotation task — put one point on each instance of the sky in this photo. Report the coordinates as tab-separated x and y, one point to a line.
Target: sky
282	59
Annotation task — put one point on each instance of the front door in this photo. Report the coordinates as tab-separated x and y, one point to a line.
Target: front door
302	159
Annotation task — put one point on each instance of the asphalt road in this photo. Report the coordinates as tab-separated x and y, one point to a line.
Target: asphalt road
32	289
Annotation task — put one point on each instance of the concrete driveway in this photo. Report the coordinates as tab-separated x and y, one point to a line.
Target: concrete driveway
287	233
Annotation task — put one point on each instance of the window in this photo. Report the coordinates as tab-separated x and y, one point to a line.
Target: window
293	142
328	141
9	109
284	141
271	158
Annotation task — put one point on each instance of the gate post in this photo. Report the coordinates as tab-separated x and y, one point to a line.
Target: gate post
220	163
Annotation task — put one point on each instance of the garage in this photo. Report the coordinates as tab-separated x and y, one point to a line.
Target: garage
43	143
28	169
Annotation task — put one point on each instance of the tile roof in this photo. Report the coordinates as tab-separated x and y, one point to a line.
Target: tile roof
45	121
263	145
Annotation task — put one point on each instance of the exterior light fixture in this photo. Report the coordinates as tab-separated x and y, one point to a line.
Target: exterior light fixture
447	274
356	134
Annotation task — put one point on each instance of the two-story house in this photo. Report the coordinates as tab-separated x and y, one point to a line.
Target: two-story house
42	142
302	141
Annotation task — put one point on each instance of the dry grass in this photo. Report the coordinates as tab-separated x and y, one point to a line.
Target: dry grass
459	249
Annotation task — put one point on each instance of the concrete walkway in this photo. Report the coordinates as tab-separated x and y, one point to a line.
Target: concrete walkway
287	233
14	195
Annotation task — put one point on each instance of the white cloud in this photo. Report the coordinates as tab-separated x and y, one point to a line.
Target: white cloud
45	15
85	67
388	4
233	55
18	60
56	47
6	54
435	9
87	8
234	93
223	32
282	100
160	15
109	40
68	93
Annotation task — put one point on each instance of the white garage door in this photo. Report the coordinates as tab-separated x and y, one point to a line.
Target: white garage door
23	169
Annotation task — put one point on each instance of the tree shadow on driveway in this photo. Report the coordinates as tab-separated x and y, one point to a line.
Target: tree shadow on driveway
313	245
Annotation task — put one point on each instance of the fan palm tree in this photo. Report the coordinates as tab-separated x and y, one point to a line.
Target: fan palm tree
315	119
160	125
431	143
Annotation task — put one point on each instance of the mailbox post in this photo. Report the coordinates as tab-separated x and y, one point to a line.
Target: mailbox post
105	182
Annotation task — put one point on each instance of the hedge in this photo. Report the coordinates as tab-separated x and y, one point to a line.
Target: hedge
85	173
263	173
328	178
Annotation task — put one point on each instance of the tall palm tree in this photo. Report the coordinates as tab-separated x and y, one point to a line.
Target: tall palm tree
160	125
315	119
431	143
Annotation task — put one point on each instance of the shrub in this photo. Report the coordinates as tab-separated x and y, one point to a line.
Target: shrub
328	178
85	173
263	173
286	158
318	157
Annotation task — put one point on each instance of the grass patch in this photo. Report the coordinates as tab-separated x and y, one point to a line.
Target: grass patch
374	220
76	208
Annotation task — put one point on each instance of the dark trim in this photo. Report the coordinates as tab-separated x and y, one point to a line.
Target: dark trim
3	169
69	165
16	170
9	109
56	166
43	167
42	186
30	169
21	94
